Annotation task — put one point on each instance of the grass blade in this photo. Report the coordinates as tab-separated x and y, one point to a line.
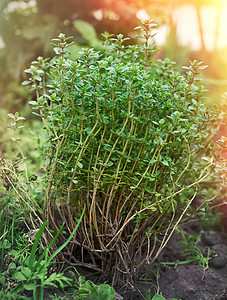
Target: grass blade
35	245
68	240
48	247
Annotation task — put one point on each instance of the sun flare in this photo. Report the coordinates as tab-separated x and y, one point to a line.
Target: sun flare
200	25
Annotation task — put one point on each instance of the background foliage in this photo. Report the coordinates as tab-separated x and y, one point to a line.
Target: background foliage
27	26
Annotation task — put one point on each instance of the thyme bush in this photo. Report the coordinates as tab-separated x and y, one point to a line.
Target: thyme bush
128	137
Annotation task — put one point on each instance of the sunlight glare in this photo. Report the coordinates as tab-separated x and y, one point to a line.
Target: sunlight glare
214	25
142	15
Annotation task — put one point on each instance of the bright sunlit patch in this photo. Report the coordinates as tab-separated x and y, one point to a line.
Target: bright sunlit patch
214	33
1	43
98	14
217	3
20	4
210	25
213	20
187	26
222	42
142	15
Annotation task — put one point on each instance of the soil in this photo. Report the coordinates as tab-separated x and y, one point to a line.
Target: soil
191	281
187	281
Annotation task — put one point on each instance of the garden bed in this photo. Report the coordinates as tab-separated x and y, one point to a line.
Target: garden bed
175	278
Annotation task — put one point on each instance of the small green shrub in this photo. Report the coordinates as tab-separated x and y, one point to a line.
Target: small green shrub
128	137
192	252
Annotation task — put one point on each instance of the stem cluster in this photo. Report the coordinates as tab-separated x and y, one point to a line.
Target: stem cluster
125	138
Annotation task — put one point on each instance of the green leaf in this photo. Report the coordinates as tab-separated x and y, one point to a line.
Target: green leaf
80	165
40	260
68	240
18	276
31	261
30	286
38	115
13	124
12	266
2	279
148	294
47	162
154	122
103	291
26	82
33	103
152	161
11	116
5	244
158	297
86	30
26	271
152	208
162	122
20	118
